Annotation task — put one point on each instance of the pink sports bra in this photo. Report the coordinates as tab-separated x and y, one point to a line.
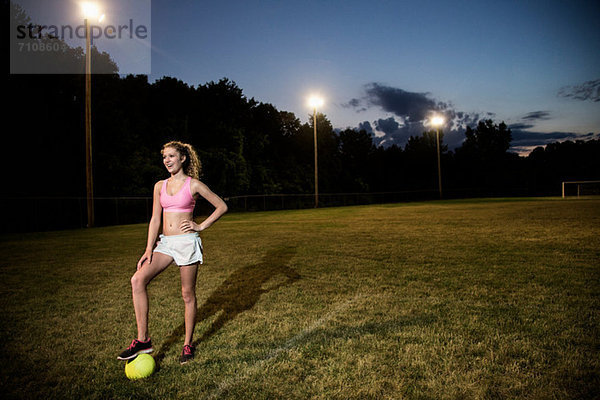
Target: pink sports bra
182	201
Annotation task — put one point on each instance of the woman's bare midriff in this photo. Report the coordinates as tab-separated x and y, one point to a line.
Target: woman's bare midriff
172	221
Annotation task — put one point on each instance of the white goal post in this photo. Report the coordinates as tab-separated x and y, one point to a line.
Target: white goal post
583	188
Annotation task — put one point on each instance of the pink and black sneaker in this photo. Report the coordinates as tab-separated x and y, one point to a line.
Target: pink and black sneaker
136	348
187	354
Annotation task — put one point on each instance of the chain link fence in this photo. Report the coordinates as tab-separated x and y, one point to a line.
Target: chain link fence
270	202
34	214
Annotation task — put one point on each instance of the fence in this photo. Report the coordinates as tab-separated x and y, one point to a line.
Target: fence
27	214
269	202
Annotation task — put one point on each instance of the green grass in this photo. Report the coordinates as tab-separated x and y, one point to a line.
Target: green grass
479	299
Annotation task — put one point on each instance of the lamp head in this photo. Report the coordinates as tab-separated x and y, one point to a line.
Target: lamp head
90	9
437	121
315	102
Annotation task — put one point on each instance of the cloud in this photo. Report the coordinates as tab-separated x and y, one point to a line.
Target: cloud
387	126
356	104
394	132
528	138
352	103
389	131
410	106
537	115
589	90
520	126
410	115
411	112
590	135
528	122
524	140
366	126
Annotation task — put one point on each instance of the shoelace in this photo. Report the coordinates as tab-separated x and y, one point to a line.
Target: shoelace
187	349
134	343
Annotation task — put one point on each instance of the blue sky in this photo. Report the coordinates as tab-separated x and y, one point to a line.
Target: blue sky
505	60
387	65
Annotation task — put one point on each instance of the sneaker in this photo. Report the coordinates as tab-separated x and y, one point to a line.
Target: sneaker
187	354
135	348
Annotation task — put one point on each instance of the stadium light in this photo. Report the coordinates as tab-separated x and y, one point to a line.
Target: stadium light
90	10
314	102
437	122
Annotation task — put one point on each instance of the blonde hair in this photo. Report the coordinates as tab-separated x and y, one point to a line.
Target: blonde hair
192	165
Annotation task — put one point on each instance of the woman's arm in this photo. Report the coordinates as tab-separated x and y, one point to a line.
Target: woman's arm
153	226
212	198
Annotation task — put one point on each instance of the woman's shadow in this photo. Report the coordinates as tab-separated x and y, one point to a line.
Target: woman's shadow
239	293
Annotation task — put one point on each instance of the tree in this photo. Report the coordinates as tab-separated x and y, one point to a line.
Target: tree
420	153
55	57
356	148
487	141
49	111
288	167
386	166
483	161
328	155
563	161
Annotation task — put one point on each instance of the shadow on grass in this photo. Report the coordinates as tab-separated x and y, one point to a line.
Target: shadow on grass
239	293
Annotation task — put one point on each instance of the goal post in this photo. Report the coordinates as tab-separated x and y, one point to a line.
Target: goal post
580	188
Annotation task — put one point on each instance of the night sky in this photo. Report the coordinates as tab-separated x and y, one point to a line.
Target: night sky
388	66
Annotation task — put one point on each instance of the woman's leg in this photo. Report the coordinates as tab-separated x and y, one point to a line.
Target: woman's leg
139	282
188	292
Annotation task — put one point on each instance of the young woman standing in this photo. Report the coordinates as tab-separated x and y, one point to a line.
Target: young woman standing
174	200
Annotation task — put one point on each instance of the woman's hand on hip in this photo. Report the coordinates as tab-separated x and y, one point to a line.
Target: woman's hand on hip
189	226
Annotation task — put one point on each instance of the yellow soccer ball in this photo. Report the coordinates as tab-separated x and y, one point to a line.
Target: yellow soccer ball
140	367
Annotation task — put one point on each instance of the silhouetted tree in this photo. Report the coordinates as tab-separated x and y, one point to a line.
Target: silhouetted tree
355	150
487	141
328	155
563	161
386	169
420	168
482	160
288	161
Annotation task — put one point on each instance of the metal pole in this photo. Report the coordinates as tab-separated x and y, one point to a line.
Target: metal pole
316	167
88	128
437	134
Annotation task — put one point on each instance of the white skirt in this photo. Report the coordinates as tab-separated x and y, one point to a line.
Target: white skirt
185	249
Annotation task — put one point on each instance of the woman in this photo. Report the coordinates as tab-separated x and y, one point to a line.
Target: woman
174	198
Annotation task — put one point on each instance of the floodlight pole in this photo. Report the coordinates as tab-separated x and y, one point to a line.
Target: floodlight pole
316	167
437	135
88	128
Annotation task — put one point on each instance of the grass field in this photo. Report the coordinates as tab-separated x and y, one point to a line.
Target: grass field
473	299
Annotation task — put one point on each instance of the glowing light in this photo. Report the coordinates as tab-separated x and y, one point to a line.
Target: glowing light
437	121
90	9
315	102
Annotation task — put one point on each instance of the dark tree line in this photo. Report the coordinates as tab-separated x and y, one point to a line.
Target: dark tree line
246	146
249	147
